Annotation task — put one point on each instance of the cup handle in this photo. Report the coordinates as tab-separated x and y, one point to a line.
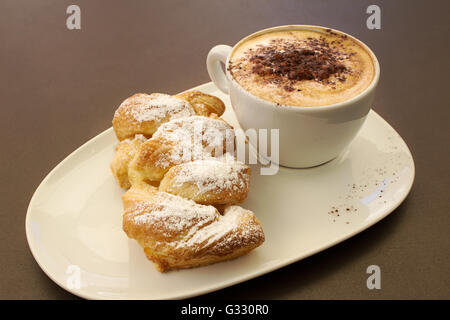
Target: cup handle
216	57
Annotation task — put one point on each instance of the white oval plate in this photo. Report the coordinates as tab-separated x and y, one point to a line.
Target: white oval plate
74	223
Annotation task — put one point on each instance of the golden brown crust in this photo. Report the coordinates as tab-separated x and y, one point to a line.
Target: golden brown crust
146	166
125	152
204	104
174	143
179	207
144	113
212	181
177	233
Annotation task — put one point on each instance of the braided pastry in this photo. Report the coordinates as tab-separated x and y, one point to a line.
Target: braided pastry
144	113
212	181
179	233
179	141
125	152
184	187
203	104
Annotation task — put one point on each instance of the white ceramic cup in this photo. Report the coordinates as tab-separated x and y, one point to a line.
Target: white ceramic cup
308	136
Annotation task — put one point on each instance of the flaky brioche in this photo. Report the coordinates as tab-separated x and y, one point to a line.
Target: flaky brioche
212	181
125	152
179	233
180	141
203	104
183	186
144	113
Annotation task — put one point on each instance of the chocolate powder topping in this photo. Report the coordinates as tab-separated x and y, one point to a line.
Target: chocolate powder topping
311	59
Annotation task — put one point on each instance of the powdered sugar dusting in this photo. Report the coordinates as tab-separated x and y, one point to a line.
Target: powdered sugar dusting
192	138
213	175
235	228
172	214
138	137
182	224
156	107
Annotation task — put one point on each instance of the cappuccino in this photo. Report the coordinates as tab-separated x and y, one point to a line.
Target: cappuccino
304	68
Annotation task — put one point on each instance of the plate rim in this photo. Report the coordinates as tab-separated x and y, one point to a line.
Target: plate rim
81	293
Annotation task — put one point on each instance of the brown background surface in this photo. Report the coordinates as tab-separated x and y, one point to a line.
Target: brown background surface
59	88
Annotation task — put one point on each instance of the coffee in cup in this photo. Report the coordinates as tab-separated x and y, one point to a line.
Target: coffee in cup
302	67
313	84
